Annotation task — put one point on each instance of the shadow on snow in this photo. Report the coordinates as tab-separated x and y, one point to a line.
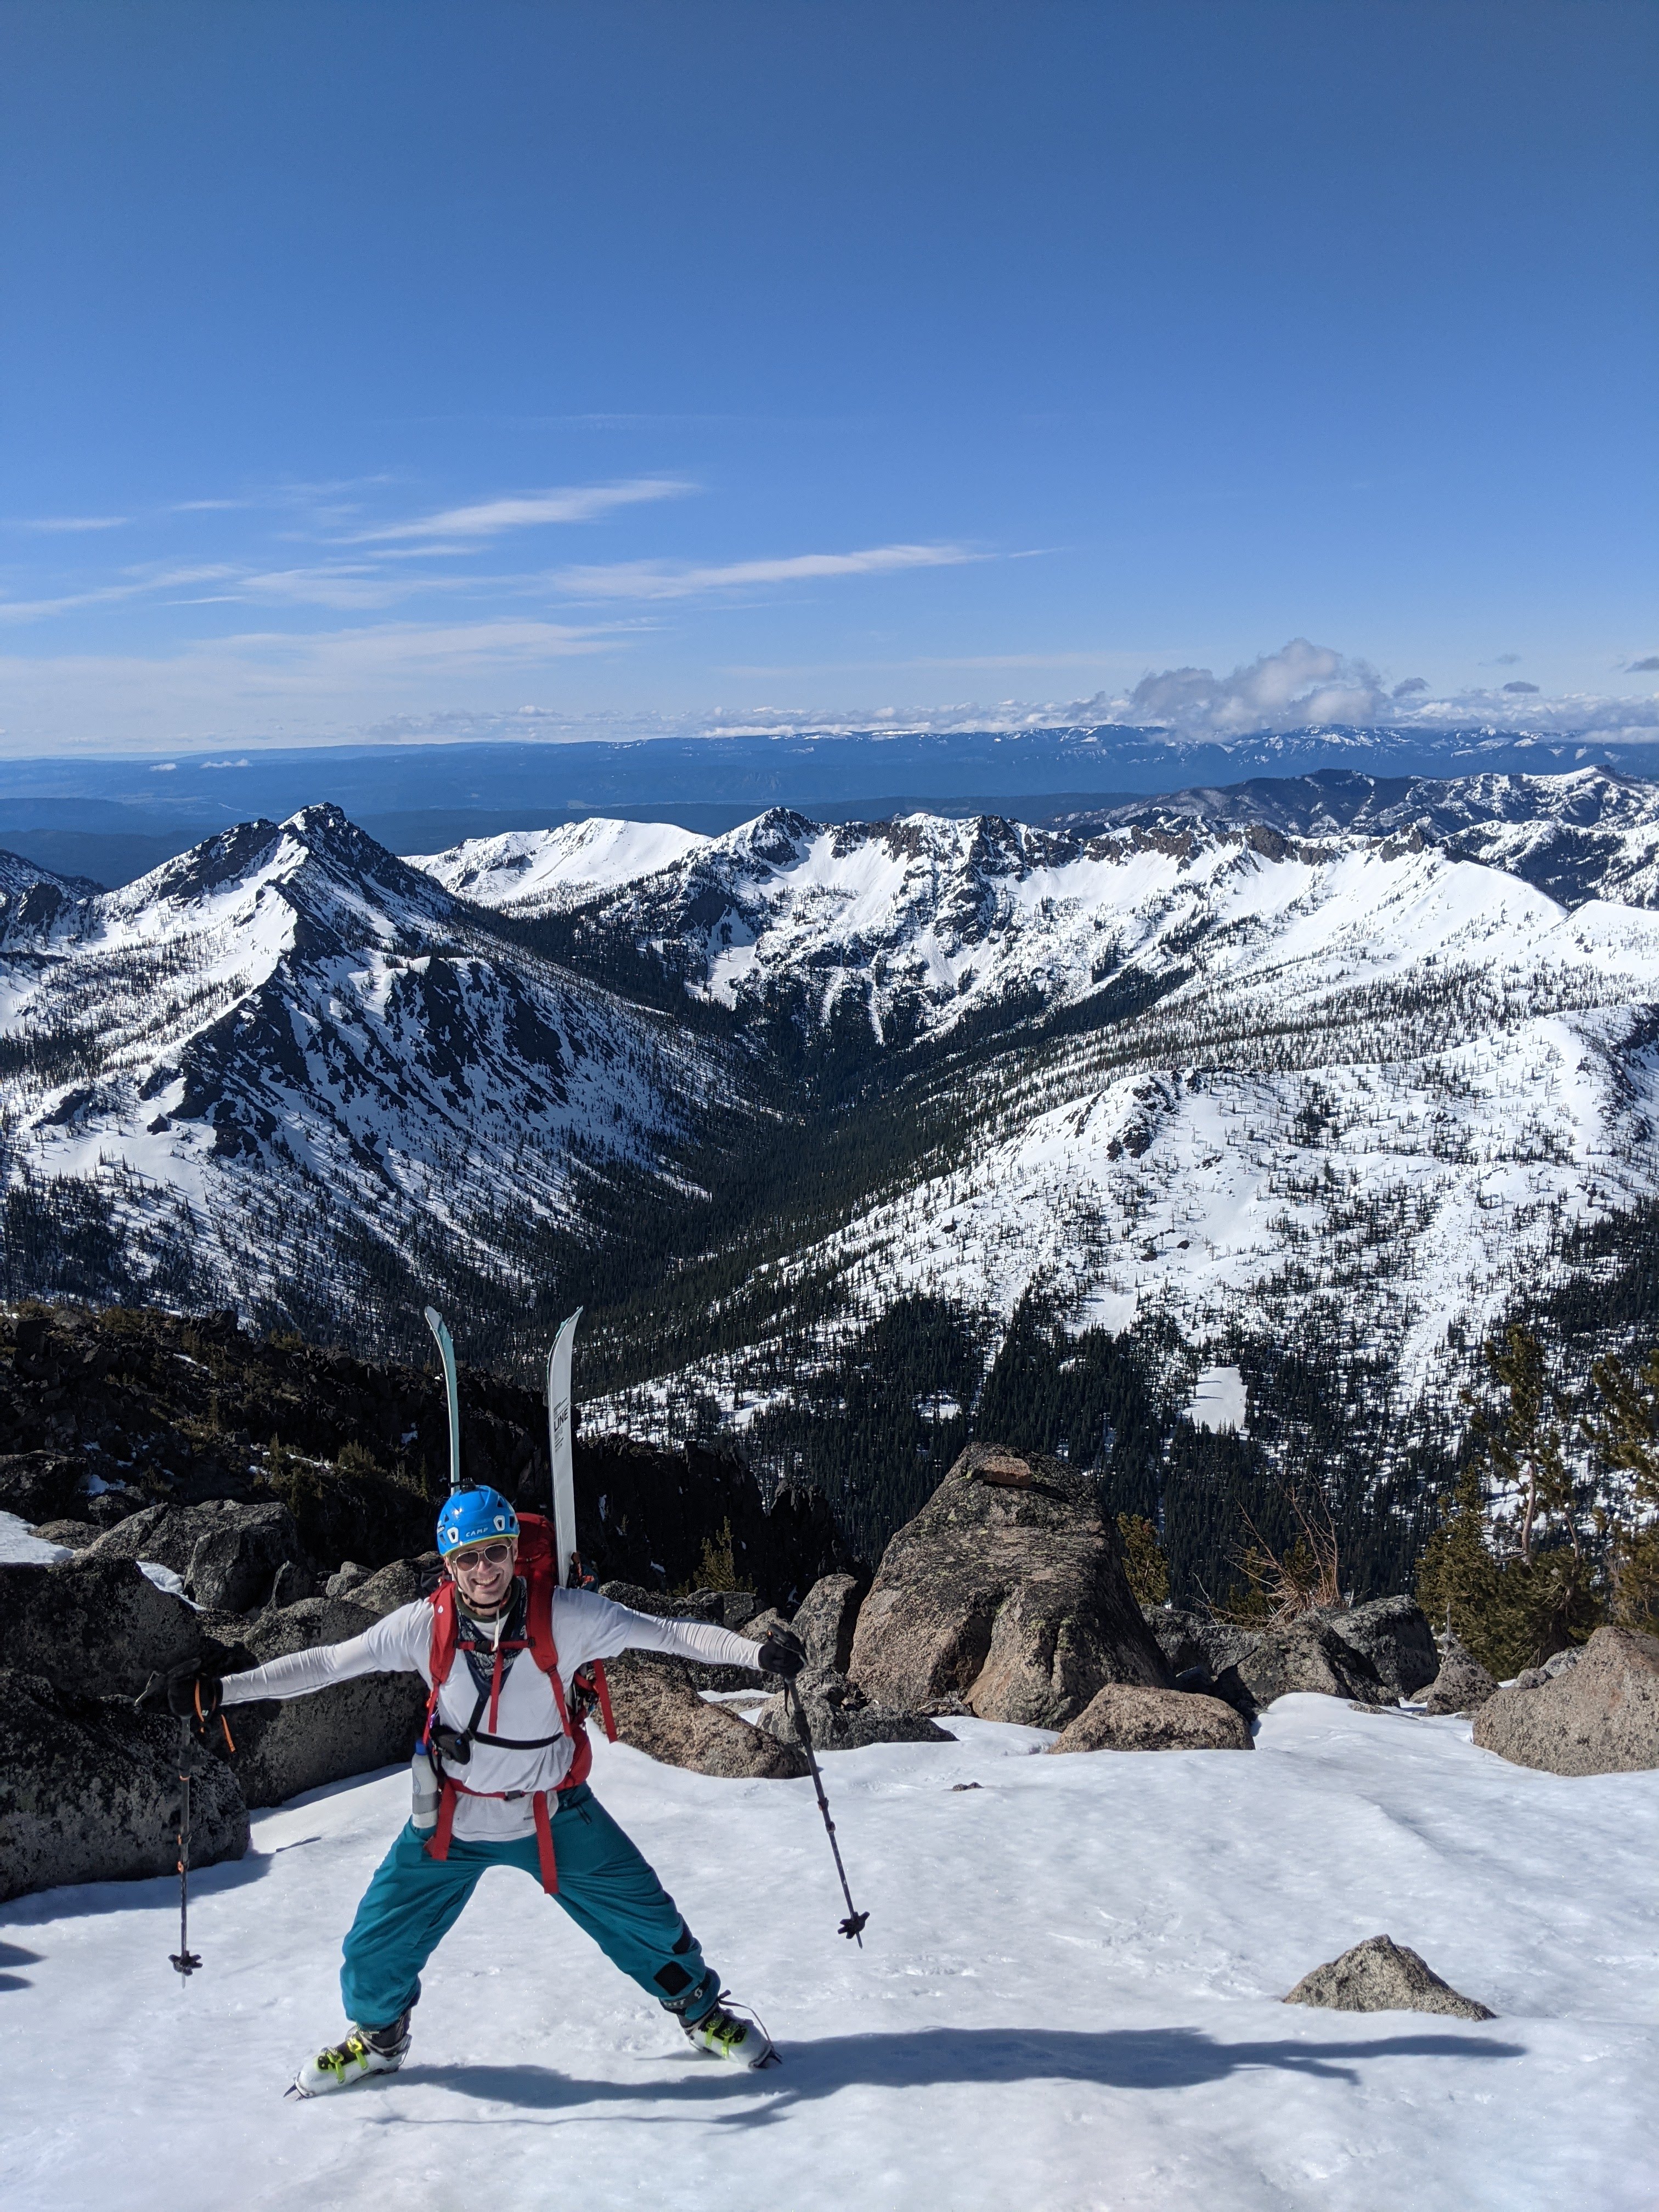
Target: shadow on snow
1117	2058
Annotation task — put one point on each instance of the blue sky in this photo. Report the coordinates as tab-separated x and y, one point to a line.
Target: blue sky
387	369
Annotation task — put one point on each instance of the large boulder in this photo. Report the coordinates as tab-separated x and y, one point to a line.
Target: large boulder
1384	1976
1007	1592
1599	1716
1462	1682
229	1555
289	1744
730	1609
40	1485
840	1717
1188	1639
94	1627
827	1618
1123	1717
657	1710
90	1792
1305	1655
69	1535
398	1584
1392	1635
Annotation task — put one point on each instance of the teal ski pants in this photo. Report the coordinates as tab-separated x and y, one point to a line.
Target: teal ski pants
605	1885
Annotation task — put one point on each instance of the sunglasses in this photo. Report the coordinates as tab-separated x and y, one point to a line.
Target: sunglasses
482	1555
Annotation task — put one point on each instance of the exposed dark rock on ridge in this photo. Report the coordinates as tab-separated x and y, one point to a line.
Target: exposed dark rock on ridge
181	1412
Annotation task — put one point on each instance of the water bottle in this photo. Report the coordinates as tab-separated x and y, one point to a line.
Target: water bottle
424	1784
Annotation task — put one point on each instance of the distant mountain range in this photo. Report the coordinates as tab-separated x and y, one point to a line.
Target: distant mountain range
115	818
1320	1079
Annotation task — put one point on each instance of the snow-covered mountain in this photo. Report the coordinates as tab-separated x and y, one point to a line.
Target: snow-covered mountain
906	925
30	895
1225	1074
1313	1077
287	1061
1591	834
530	872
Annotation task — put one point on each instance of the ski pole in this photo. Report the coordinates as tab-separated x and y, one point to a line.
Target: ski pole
185	1961
855	1921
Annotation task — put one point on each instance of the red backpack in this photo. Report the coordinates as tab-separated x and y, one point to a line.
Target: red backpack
536	1566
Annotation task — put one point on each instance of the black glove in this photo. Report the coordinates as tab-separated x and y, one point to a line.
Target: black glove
187	1693
783	1653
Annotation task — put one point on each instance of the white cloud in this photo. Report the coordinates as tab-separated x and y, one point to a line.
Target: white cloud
72	522
491	517
654	579
1300	685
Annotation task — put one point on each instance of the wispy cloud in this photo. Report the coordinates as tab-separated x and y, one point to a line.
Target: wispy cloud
491	517
134	585
656	579
71	522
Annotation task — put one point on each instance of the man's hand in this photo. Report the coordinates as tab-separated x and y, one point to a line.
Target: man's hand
187	1693
783	1653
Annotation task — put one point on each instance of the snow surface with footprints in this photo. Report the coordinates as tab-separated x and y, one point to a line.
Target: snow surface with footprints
1068	1997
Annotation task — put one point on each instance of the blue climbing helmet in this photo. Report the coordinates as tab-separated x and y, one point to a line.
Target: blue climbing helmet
474	1516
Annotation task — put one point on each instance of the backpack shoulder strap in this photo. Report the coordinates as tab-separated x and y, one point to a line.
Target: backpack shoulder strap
538	1631
441	1654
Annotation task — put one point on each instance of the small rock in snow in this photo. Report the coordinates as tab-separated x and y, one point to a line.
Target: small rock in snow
1384	1976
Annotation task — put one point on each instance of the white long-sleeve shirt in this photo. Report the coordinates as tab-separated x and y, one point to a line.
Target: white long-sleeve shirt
586	1626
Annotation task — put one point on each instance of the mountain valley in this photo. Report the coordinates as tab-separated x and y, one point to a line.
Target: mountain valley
856	1139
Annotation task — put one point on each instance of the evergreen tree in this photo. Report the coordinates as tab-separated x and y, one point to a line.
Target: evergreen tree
1522	1585
1623	1430
1145	1561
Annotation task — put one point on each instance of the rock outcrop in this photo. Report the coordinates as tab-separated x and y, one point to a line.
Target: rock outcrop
289	1744
1126	1718
840	1717
42	1486
1188	1639
228	1555
1599	1716
1384	1976
90	1792
1007	1592
1392	1637
1305	1655
94	1627
658	1710
826	1619
1462	1682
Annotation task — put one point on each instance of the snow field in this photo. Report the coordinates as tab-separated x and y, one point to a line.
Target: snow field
1067	1997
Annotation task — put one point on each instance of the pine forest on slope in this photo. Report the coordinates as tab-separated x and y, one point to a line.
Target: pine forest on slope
854	1140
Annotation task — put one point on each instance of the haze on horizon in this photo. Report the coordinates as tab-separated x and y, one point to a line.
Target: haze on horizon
403	371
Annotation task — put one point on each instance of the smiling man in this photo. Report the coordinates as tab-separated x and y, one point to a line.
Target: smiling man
501	1781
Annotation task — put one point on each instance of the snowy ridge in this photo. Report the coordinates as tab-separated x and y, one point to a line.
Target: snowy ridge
1348	1072
1590	834
529	872
288	1036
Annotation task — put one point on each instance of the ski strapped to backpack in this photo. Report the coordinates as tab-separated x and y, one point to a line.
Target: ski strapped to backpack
449	1748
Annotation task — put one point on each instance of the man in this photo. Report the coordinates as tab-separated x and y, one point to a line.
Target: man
508	1758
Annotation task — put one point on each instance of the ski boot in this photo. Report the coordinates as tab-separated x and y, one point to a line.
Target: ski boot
366	2051
723	2035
